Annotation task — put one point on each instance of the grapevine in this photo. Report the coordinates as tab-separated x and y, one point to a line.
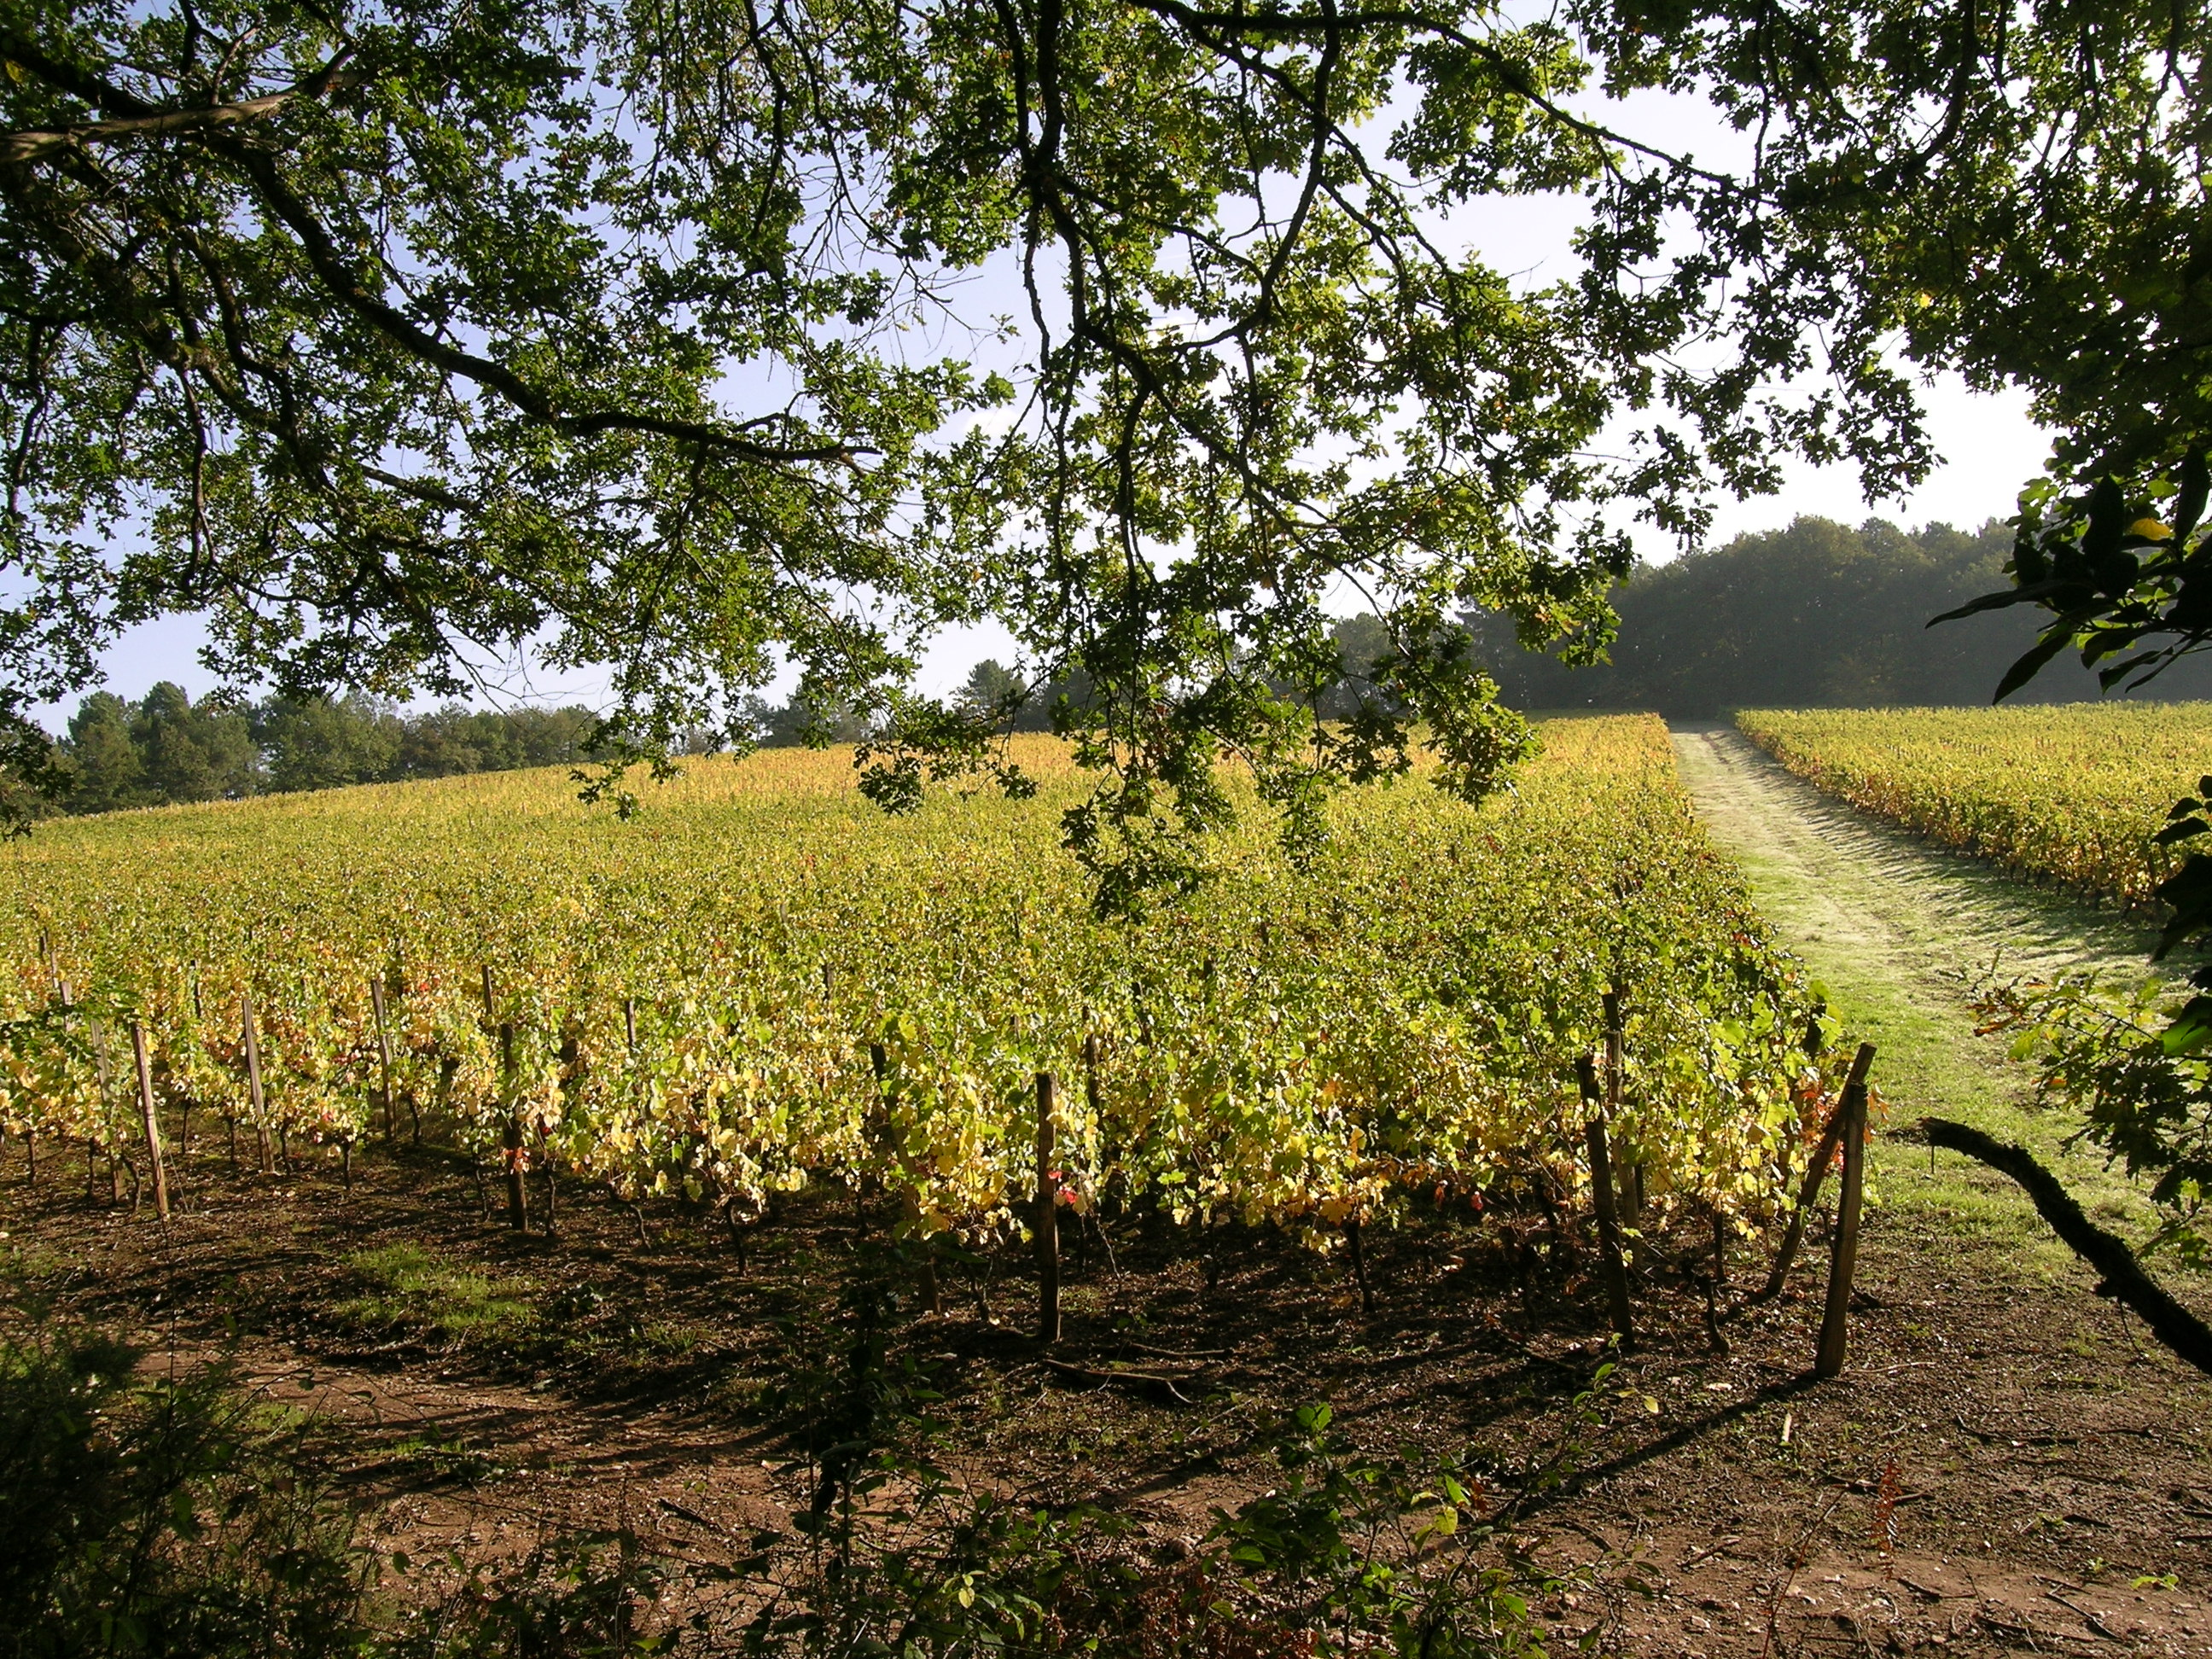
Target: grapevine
759	985
2073	792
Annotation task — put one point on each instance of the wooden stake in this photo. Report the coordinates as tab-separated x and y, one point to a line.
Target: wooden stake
100	1060
1047	1213
926	1273
910	1198
1628	1196
572	1076
491	1009
1816	1171
1844	1254
100	1067
153	1123
1110	1194
629	1021
872	1129
1611	1268
552	1186
1091	1095
199	1024
383	1050
518	1197
253	1092
1352	1238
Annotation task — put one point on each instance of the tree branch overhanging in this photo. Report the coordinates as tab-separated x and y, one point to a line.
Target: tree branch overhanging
341	280
19	149
2123	1279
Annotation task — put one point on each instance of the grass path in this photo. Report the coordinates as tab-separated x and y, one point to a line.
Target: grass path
1896	930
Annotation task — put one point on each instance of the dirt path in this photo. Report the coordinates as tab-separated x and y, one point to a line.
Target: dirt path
1873	894
1897	930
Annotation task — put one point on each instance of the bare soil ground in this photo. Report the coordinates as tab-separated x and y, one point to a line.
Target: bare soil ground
2001	1468
2008	1464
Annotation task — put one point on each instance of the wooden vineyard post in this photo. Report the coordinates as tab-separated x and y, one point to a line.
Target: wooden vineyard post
1611	1268
384	1052
107	1104
872	1131
185	1113
253	1092
572	1071
518	1196
1628	1194
100	1055
1047	1213
1816	1171
629	1022
491	1007
62	997
910	1192
926	1273
153	1123
1110	1194
1843	1252
1352	1243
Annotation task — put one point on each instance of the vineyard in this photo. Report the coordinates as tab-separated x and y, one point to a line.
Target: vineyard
2072	793
761	985
646	1216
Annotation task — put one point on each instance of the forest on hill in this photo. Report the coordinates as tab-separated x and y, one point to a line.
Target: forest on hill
1818	615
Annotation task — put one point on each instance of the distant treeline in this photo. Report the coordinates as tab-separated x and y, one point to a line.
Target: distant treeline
1816	616
164	748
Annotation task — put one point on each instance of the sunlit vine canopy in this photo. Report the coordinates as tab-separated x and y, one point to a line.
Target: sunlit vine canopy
687	341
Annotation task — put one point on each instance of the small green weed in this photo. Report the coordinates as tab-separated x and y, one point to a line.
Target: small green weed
441	1458
414	1288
